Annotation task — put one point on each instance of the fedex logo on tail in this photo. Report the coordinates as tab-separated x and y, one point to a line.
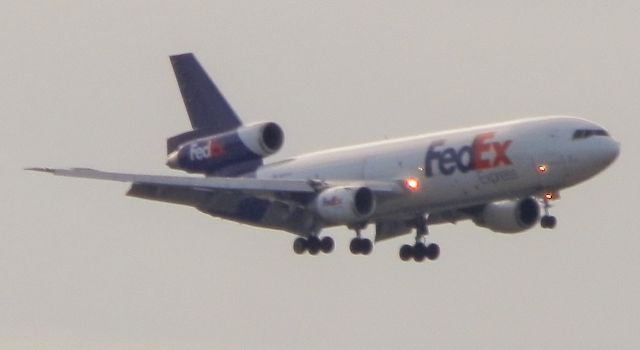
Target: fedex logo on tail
483	153
207	150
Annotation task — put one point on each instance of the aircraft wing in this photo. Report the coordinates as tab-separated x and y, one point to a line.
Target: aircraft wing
274	203
213	183
220	183
279	204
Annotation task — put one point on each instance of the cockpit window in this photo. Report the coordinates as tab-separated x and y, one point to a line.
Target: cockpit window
586	133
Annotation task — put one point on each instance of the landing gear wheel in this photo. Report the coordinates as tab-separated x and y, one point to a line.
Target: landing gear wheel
354	246
300	245
406	252
544	222
327	245
433	251
313	245
553	222
419	252
366	246
362	246
548	221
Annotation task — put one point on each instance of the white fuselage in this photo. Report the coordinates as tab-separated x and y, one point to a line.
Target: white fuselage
468	166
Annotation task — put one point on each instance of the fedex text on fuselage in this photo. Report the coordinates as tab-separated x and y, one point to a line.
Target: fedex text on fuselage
482	153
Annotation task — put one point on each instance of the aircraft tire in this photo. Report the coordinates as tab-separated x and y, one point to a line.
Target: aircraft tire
366	246
406	252
432	251
544	222
548	221
354	246
313	245
327	245
300	245
419	252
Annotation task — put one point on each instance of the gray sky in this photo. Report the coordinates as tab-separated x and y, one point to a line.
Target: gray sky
89	84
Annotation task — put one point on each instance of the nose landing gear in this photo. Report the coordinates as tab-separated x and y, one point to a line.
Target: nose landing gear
548	221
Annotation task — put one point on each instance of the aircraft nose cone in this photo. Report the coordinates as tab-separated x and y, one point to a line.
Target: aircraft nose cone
613	150
609	151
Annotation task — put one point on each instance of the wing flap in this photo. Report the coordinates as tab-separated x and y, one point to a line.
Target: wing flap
170	194
241	207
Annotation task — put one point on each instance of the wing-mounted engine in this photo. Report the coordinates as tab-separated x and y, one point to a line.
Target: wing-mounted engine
345	205
510	216
226	153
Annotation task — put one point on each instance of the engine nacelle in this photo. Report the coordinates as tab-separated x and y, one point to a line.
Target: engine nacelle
345	205
246	146
263	139
509	216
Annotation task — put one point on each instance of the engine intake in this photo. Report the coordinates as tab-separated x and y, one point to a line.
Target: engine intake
345	205
509	216
264	139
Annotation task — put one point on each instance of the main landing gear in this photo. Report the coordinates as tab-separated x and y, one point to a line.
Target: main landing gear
360	245
420	250
548	221
313	245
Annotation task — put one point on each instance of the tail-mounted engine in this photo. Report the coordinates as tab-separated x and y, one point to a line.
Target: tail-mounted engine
509	216
216	154
345	205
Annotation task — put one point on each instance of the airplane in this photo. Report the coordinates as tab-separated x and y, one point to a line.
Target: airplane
501	176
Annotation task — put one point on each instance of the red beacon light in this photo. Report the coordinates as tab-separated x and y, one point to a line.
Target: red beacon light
412	184
543	168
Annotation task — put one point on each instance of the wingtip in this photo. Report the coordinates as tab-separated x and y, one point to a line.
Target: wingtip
42	170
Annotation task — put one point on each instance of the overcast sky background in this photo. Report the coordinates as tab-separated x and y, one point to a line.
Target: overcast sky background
87	83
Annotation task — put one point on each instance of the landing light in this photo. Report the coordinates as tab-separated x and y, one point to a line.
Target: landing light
542	168
548	196
412	184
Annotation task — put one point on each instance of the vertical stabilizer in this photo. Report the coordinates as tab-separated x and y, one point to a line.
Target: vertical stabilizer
208	110
206	106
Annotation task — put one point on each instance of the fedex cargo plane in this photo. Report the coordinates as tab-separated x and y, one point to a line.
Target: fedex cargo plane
502	176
